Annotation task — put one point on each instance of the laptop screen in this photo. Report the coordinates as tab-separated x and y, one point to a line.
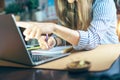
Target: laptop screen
12	45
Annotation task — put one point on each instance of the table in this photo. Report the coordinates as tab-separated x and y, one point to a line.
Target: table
10	73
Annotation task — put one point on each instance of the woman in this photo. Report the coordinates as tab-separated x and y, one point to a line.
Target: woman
85	24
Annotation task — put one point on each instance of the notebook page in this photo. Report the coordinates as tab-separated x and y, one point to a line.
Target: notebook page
53	51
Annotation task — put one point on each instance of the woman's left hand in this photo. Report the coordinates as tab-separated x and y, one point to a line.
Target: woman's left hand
50	43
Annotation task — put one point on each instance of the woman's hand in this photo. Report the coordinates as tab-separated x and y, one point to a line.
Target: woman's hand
46	45
35	29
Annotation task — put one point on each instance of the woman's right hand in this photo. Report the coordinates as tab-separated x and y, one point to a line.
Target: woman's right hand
46	45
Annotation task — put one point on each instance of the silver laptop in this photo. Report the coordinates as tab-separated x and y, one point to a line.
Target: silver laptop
13	47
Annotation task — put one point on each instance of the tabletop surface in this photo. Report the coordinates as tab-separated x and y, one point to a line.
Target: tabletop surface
7	73
12	73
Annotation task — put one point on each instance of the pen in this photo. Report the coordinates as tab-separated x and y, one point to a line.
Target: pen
46	39
34	48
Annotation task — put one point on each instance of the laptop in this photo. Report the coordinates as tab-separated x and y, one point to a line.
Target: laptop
13	47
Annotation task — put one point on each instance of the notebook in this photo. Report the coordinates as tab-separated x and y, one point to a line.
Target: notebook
54	51
13	47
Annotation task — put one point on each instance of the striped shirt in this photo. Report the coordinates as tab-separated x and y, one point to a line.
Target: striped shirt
102	29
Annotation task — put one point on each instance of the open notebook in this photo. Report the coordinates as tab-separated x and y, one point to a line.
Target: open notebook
54	51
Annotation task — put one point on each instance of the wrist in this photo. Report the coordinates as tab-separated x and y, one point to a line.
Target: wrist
55	40
58	41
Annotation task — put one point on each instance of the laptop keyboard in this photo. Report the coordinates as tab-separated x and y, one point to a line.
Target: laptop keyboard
37	58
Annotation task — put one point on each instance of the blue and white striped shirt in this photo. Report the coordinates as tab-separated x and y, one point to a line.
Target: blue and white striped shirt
102	29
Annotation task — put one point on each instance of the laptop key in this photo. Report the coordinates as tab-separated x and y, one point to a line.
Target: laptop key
37	58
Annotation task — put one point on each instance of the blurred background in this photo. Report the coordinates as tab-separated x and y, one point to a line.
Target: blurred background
29	10
38	10
117	2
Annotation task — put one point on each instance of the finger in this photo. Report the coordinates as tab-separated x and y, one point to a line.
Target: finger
51	42
32	33
41	39
43	44
37	36
27	32
27	39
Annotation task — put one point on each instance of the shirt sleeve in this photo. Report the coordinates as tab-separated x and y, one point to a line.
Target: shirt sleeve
102	29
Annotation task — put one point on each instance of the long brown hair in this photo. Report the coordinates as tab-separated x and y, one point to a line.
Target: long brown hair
76	15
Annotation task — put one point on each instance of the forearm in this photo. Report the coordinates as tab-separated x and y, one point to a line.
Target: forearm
67	34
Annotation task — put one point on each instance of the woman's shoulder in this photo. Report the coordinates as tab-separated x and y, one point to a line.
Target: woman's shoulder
102	2
95	2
